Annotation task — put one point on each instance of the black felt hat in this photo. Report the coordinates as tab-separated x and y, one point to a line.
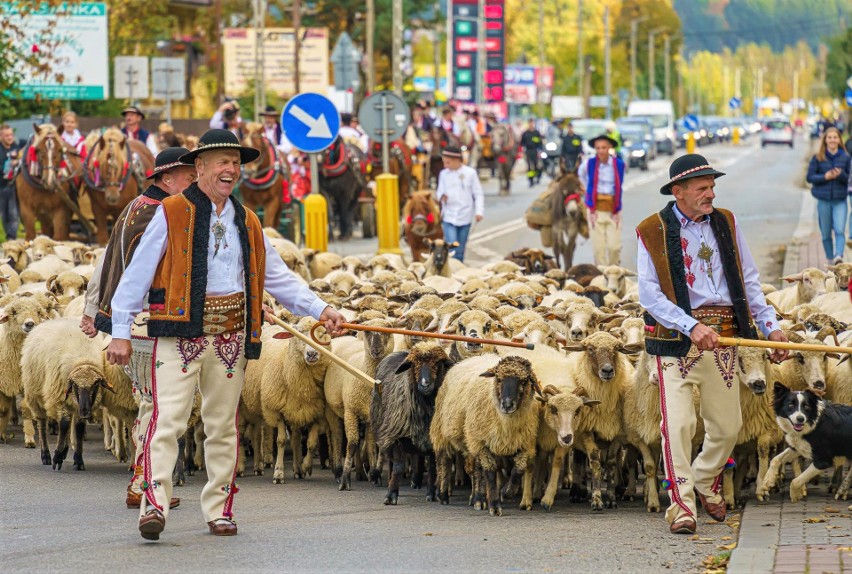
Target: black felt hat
218	139
132	109
452	151
168	159
611	141
270	111
687	167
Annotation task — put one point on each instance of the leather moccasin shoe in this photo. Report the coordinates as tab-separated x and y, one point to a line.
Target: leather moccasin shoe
134	500
717	511
683	526
220	528
152	524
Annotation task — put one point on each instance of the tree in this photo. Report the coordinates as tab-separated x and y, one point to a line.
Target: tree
839	63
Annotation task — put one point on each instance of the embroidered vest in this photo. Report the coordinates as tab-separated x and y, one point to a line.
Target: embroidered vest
126	233
176	298
141	135
592	184
660	233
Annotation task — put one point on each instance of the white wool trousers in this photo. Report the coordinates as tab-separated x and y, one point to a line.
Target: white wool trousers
216	363
606	239
714	373
140	376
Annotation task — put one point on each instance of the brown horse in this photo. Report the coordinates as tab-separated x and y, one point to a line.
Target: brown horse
399	164
503	150
421	220
341	182
114	175
48	171
263	180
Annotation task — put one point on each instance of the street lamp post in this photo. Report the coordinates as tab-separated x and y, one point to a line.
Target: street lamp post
652	80
634	28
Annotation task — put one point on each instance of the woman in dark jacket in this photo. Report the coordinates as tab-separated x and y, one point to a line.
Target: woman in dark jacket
829	174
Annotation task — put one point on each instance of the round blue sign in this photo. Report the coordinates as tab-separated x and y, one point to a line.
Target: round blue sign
310	122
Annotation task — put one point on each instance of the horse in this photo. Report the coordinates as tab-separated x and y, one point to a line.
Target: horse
341	180
503	149
45	183
114	174
263	181
440	139
471	143
421	220
569	218
399	164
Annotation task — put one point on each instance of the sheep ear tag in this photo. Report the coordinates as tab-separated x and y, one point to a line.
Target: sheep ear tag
282	335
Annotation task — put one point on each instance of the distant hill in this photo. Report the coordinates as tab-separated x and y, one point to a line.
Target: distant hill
717	24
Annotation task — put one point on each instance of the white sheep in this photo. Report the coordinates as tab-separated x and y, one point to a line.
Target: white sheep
615	279
44	268
809	284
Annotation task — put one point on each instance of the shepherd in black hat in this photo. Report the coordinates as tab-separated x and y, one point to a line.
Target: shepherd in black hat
603	177
698	281
170	177
204	264
272	128
133	129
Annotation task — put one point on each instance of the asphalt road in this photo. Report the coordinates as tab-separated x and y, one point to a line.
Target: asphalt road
76	521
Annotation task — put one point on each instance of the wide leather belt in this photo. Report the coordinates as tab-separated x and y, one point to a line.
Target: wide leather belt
720	319
605	203
224	314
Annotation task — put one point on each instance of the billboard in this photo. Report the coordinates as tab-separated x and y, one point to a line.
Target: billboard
463	31
279	54
528	84
76	36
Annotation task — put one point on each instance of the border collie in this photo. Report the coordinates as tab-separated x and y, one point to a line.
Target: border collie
815	429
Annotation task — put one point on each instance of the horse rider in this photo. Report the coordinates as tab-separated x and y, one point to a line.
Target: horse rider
603	178
10	156
348	133
272	129
533	143
204	263
448	123
572	149
170	177
133	129
228	117
698	281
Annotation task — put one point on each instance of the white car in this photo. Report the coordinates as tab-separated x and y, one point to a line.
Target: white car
777	131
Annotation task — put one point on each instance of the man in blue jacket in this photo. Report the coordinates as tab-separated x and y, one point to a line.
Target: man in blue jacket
603	178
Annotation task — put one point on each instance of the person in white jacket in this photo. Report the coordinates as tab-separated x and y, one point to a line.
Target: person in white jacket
461	199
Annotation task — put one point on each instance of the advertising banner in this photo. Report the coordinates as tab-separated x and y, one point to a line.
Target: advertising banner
463	25
279	56
75	36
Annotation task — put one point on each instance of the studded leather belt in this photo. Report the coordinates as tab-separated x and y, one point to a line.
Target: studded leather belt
720	319
224	314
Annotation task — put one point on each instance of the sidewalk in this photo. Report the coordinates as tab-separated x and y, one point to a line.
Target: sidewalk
812	536
805	249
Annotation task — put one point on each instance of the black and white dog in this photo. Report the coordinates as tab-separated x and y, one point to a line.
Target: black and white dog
815	429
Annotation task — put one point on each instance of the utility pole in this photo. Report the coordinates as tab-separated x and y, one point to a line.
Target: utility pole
607	64
436	46
726	86
581	64
396	46
737	81
259	71
796	93
539	91
667	47
297	45
371	32
220	55
760	83
480	53
652	81
634	29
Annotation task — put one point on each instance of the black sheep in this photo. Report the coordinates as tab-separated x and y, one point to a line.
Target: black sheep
402	413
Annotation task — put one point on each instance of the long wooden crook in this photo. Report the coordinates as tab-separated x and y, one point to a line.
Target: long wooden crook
738	342
356	327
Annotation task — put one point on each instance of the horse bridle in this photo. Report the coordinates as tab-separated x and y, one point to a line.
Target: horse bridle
124	171
50	144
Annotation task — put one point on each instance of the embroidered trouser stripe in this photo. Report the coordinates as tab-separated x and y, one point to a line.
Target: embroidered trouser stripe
216	366
713	373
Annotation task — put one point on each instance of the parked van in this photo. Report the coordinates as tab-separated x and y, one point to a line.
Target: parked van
661	113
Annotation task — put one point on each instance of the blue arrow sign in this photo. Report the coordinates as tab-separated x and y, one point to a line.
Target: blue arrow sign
690	122
849	97
311	122
735	103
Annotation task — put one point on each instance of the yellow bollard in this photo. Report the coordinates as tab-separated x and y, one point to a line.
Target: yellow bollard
387	213
690	143
316	222
735	138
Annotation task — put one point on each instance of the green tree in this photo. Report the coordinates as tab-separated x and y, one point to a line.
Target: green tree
838	66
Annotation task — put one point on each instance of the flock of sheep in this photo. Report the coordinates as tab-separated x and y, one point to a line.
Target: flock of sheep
580	411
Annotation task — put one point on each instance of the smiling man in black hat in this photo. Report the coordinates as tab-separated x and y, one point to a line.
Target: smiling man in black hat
133	129
204	263
698	281
170	177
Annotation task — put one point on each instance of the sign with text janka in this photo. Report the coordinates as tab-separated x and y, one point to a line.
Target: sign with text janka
75	37
279	47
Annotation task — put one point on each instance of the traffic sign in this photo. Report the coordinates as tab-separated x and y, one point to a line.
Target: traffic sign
849	82
849	97
735	103
690	122
168	78
131	78
311	122
384	114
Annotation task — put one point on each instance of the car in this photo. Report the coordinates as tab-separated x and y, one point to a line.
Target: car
661	113
637	148
647	127
777	131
